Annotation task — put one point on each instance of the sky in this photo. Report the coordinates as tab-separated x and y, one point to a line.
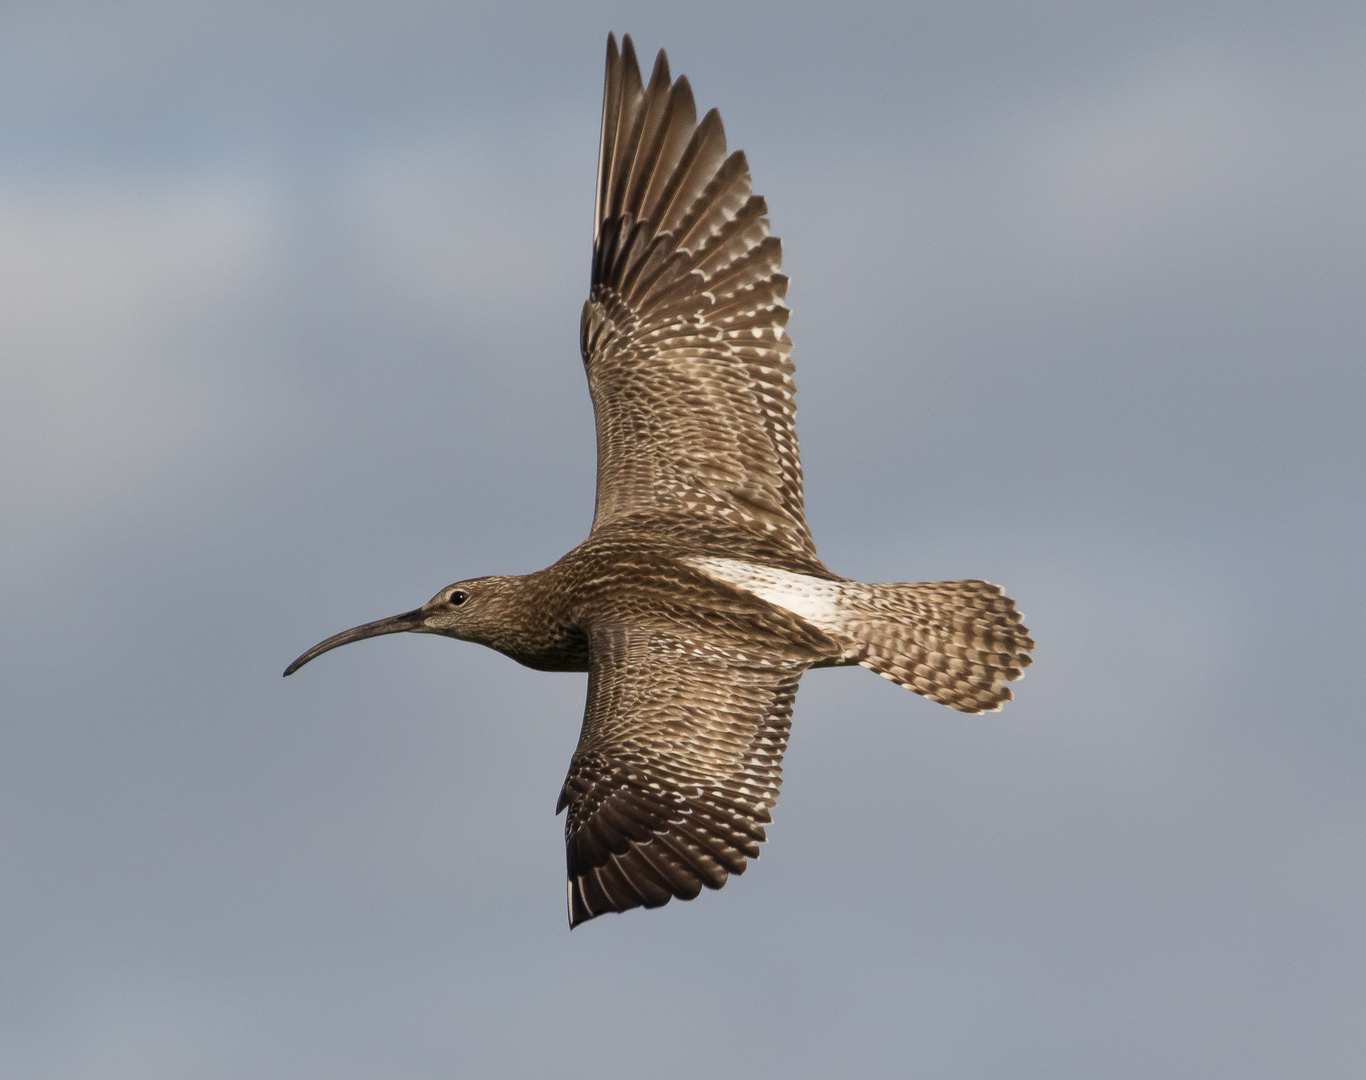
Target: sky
289	300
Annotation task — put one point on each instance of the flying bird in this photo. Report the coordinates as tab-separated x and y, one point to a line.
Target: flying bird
697	600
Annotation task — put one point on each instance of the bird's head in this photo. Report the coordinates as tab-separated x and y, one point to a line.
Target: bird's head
473	610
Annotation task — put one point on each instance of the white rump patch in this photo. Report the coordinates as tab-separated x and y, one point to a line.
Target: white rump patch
814	599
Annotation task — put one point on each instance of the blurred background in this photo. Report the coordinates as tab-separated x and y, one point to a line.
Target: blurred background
289	299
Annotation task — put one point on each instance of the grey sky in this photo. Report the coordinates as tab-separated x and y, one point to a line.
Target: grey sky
289	302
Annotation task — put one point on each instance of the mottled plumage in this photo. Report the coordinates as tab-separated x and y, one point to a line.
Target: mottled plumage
697	601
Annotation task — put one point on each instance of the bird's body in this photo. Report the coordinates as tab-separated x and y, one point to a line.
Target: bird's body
620	575
697	600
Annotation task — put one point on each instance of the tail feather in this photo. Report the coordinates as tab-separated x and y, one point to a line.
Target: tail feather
955	642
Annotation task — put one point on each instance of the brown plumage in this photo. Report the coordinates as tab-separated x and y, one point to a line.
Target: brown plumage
697	601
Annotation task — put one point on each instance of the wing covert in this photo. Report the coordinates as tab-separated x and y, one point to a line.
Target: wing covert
683	335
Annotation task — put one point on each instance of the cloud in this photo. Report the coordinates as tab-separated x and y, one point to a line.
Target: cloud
113	300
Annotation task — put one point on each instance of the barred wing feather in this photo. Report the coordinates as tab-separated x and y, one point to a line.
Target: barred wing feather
683	333
678	765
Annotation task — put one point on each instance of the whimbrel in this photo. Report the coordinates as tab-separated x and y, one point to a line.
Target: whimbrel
697	601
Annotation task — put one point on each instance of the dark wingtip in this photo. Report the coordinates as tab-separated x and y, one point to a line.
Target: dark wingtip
661	70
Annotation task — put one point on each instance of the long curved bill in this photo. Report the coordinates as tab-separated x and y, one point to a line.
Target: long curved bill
397	624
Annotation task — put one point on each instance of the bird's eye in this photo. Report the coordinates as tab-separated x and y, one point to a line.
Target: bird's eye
459	597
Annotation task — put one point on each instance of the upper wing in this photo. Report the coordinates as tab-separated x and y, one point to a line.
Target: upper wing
682	335
679	762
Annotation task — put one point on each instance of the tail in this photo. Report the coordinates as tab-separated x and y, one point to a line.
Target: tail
955	642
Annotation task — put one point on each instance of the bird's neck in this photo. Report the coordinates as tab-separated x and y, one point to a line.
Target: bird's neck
534	627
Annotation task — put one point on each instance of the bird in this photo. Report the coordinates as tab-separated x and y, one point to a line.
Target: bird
697	601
